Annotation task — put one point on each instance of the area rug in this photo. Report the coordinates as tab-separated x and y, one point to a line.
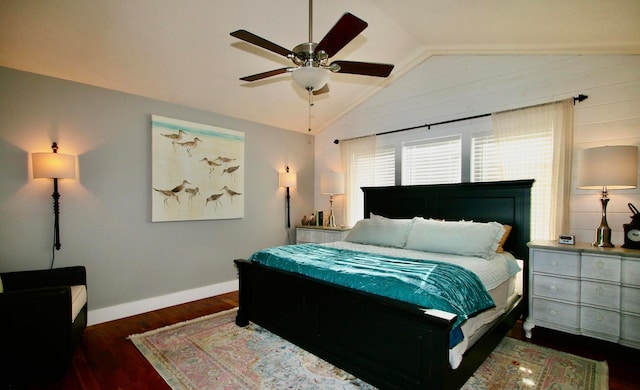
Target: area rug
211	352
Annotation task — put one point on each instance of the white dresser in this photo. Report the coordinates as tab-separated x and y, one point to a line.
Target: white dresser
320	234
585	290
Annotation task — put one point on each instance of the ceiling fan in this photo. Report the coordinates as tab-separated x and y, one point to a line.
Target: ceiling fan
312	68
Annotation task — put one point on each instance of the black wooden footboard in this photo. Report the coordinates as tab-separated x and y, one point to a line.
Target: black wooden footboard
389	344
384	342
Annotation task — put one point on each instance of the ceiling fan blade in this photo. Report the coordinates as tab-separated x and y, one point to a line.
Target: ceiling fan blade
343	32
264	75
322	90
364	68
263	43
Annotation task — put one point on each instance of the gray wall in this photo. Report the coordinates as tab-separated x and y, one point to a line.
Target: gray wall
106	213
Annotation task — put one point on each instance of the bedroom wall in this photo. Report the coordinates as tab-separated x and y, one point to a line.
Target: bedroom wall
133	265
450	87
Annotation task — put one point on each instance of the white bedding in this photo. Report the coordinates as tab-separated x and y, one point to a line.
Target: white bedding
496	274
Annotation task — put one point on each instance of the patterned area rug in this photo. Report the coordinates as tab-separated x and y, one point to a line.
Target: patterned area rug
211	352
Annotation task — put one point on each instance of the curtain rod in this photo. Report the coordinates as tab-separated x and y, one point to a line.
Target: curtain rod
577	99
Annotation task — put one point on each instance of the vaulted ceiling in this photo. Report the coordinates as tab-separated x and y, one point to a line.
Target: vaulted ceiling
181	51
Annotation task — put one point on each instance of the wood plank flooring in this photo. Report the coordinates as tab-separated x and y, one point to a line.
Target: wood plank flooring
107	360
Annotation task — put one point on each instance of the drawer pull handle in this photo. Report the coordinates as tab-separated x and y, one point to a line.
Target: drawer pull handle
554	263
553	312
599	290
599	317
553	288
600	264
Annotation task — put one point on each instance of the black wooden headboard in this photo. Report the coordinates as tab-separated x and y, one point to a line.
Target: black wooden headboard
506	202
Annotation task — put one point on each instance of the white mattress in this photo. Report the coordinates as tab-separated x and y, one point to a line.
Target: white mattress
495	274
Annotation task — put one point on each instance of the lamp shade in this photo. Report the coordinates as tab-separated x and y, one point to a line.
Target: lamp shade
310	78
614	167
287	179
53	165
332	183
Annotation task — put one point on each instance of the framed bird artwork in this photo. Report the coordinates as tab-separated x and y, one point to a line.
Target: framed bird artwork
197	171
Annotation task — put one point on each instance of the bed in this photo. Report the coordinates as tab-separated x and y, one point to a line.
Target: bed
384	341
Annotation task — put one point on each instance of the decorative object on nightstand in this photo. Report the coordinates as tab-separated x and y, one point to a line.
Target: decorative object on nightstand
54	166
287	179
632	230
607	167
332	183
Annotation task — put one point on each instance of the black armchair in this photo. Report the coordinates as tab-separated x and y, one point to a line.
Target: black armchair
37	333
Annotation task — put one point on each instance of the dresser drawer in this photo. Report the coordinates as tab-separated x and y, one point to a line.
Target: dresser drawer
601	267
332	236
631	271
601	294
630	300
600	321
555	313
319	235
307	235
630	328
557	288
556	263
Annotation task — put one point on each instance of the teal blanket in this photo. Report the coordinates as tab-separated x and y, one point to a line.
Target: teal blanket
428	284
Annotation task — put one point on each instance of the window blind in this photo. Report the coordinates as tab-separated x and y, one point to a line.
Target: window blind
370	170
432	161
520	157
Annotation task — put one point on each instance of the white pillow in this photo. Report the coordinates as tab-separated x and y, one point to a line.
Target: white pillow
458	238
381	231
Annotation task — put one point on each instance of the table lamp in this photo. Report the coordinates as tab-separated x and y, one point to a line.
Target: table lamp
607	167
332	183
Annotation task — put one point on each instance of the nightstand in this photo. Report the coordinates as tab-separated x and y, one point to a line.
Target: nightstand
320	234
586	290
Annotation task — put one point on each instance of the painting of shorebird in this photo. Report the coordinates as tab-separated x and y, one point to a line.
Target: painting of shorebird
197	171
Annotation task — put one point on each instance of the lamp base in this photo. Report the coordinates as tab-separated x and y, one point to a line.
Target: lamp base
603	232
332	218
603	237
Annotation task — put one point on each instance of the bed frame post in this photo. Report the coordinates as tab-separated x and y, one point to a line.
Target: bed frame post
242	319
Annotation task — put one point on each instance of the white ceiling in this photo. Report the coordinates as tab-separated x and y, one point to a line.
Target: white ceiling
181	51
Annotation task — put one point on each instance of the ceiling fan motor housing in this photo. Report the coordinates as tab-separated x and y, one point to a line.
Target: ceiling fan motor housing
305	55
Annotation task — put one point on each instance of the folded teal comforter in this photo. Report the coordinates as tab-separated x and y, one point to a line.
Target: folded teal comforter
428	284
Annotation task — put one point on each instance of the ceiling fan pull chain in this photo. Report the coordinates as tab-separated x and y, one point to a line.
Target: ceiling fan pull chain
310	105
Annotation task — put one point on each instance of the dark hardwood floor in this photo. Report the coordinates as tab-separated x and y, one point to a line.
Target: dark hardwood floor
108	360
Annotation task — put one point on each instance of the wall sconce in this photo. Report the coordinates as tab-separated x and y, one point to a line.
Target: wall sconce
607	167
332	183
287	179
54	166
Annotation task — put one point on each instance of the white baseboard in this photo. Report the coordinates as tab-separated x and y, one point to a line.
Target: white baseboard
111	313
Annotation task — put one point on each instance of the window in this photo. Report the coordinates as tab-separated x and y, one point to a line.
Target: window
369	169
432	161
530	143
485	165
519	157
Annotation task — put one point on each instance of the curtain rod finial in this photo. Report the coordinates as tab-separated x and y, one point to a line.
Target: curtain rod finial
580	98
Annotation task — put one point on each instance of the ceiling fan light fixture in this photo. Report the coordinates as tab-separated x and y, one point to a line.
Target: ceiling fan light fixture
310	78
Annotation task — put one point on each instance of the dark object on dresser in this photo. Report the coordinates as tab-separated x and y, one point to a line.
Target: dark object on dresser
632	230
37	334
388	343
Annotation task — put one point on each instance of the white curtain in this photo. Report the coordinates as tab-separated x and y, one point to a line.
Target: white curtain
537	143
358	162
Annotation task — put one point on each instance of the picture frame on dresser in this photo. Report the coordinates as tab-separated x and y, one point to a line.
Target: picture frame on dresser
585	290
